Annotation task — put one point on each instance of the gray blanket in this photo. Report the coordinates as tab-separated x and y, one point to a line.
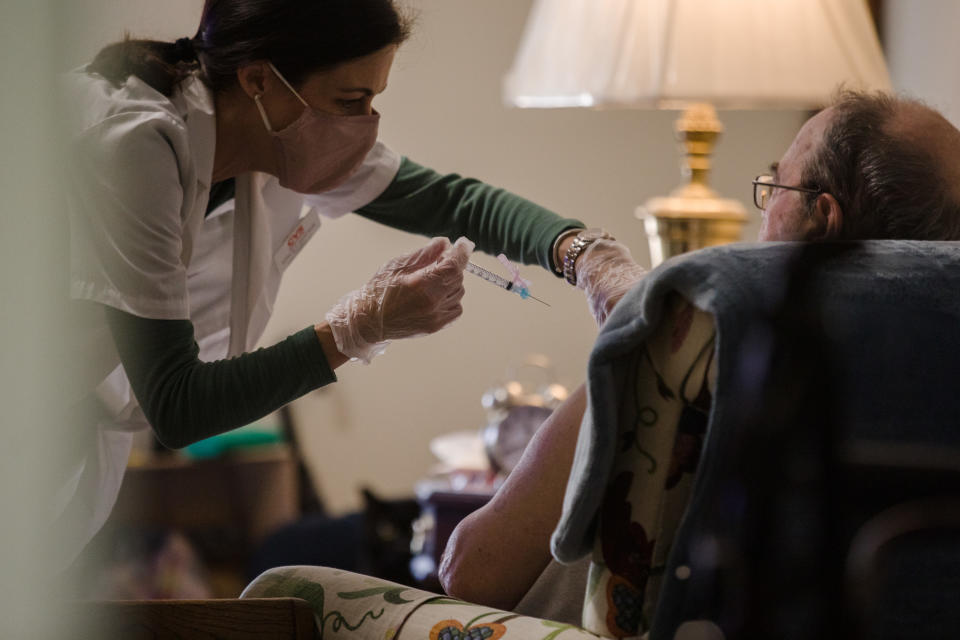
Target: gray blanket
912	290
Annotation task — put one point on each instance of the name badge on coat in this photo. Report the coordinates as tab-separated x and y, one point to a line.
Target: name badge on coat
296	239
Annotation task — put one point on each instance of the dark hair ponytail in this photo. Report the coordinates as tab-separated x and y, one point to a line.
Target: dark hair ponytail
298	36
162	65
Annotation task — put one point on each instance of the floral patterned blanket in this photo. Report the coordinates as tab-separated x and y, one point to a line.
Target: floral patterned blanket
351	605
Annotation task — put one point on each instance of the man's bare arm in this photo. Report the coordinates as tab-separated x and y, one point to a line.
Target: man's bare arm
496	553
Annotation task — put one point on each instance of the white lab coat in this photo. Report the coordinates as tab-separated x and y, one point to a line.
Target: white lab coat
138	190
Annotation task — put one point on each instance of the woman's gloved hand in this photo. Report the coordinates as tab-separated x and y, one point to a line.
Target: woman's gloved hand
415	294
606	271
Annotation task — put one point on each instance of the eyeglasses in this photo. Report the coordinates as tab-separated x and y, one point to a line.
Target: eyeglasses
764	185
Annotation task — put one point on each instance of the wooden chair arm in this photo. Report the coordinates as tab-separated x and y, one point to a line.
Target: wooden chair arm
233	619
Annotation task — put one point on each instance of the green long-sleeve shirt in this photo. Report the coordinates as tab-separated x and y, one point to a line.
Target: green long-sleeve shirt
186	399
423	201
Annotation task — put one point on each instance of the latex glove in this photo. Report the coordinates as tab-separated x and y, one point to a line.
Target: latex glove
606	271
412	295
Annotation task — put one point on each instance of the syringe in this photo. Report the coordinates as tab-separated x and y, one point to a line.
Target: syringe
503	283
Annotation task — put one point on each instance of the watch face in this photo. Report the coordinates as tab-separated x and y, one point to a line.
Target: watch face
506	440
589	235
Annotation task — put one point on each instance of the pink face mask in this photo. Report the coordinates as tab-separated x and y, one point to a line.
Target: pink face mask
319	151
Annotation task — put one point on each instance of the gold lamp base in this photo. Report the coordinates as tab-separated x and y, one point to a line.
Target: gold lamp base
693	216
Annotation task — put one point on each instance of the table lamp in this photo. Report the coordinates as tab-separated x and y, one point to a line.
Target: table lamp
695	55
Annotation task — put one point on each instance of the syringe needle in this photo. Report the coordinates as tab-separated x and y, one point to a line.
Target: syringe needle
538	299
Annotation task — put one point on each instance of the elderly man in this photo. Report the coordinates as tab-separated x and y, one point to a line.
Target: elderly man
867	167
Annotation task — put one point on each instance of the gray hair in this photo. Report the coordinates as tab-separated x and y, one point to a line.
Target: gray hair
888	183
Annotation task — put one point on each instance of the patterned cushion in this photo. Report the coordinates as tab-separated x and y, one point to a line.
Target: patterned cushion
356	606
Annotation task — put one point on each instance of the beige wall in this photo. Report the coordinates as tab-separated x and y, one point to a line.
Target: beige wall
443	109
93	23
922	51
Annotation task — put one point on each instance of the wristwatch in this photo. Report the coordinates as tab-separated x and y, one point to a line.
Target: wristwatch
581	242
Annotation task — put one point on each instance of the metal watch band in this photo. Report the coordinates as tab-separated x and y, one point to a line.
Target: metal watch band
555	250
583	239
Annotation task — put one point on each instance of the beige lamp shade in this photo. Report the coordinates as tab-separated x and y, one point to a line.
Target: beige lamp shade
666	53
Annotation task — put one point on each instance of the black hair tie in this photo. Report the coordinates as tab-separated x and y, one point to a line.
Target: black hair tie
184	50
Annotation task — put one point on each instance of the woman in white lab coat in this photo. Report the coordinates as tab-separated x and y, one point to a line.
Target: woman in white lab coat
198	173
